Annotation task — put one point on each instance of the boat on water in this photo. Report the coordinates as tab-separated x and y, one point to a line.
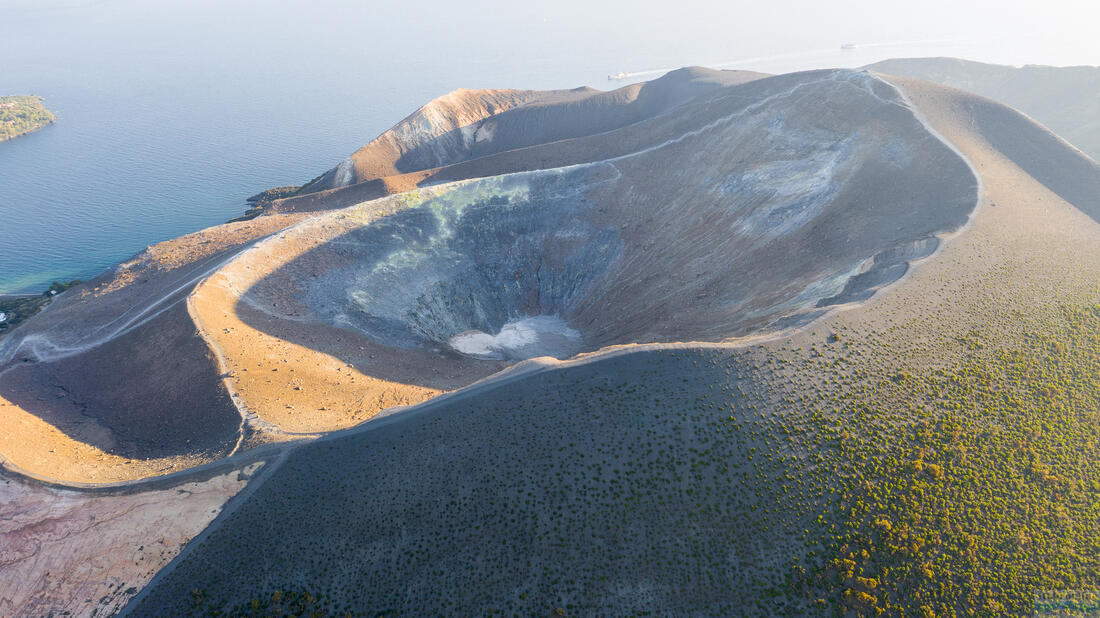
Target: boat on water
848	46
614	77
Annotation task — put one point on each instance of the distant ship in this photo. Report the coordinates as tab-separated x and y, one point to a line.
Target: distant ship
617	76
848	46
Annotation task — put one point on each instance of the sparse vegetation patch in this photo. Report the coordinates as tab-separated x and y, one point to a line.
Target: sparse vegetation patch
20	115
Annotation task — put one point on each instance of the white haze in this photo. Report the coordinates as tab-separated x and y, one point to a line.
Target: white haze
562	43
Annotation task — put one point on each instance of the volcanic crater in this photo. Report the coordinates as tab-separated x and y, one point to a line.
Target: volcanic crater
735	205
750	217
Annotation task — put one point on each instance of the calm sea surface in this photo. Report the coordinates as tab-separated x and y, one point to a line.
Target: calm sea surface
171	113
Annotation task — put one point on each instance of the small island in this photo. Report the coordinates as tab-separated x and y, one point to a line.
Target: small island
20	115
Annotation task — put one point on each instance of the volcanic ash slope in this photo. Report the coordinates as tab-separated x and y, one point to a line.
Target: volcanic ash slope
112	382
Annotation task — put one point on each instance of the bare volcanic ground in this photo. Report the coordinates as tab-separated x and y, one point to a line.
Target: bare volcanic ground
469	124
81	554
1061	98
112	382
927	452
725	212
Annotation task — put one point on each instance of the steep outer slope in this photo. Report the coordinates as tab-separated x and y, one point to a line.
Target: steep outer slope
1062	98
931	451
111	382
467	124
751	209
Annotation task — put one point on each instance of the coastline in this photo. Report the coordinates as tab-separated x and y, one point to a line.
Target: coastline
16	308
27	132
